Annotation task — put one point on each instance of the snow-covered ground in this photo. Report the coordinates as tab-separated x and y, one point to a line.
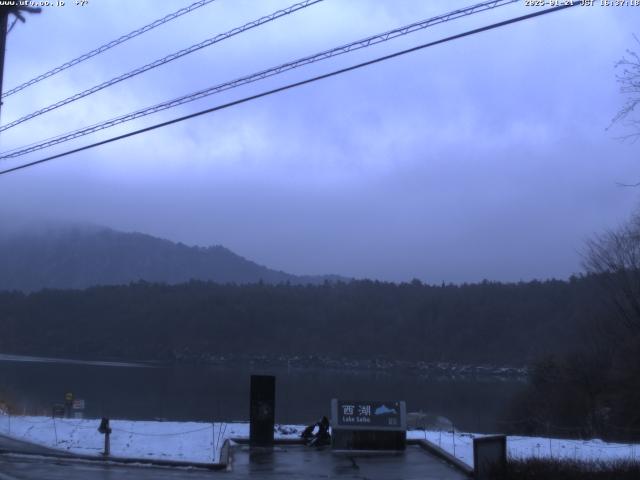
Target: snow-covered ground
201	442
182	441
461	445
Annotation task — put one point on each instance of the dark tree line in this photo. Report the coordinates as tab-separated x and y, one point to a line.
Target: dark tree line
585	359
496	323
593	389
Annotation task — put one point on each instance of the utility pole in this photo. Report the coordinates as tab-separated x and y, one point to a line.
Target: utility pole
5	11
4	17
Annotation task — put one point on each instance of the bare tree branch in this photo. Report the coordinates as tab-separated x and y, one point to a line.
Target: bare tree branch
614	258
628	78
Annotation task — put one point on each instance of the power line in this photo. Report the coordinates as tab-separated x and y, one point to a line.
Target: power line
359	44
107	46
162	61
293	85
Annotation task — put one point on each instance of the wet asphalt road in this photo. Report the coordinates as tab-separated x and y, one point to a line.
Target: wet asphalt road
12	445
16	467
283	462
303	462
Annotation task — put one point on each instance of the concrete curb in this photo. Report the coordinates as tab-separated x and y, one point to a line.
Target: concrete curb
226	455
42	451
228	447
444	455
28	446
121	460
276	441
425	444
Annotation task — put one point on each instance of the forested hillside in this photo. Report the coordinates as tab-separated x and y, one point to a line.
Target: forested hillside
508	324
83	256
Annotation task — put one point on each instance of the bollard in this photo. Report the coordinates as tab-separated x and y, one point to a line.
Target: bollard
454	440
55	430
106	431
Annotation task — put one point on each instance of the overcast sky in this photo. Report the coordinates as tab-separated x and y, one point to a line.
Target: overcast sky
485	157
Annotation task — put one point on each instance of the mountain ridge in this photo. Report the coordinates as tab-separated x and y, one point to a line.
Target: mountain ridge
82	256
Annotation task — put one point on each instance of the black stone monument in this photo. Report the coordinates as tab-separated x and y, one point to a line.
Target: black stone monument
262	410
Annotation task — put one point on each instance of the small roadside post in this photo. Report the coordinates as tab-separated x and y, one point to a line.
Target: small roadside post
106	431
489	457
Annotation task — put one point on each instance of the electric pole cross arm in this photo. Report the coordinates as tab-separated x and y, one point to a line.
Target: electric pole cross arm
17	11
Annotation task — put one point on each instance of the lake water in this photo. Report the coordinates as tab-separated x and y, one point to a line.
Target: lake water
215	393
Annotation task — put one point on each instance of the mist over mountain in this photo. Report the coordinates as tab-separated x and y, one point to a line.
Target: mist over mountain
78	257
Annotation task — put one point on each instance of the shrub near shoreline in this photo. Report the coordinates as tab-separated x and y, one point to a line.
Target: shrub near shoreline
554	469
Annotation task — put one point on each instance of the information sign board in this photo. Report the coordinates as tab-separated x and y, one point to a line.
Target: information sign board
368	425
369	414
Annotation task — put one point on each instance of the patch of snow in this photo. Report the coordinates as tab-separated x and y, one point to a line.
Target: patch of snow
201	442
461	446
182	441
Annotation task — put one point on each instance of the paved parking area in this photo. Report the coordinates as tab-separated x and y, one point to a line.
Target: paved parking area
294	461
300	461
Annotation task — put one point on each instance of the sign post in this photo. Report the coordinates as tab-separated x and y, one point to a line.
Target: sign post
58	410
105	429
68	403
78	408
368	425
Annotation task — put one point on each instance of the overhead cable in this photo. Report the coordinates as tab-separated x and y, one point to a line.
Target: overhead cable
324	55
107	46
292	85
163	60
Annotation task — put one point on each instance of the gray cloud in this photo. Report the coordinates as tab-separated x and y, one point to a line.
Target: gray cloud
482	158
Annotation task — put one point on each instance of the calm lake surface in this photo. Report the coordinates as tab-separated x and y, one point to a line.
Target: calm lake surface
214	393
